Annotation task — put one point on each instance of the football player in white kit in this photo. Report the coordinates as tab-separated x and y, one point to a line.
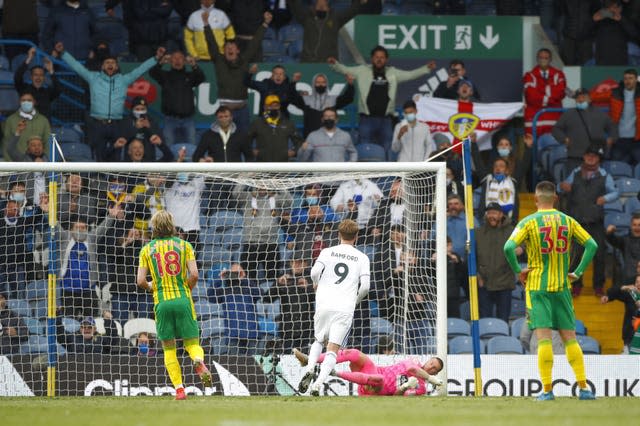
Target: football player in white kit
340	277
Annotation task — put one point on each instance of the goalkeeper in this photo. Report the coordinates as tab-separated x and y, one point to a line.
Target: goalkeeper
406	377
168	259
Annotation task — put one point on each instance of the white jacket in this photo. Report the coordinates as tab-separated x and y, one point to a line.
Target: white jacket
415	145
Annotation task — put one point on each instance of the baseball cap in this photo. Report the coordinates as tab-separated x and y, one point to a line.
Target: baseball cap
493	206
88	321
465	81
595	149
581	91
138	100
272	99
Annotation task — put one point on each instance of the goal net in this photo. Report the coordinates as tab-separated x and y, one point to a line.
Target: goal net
69	244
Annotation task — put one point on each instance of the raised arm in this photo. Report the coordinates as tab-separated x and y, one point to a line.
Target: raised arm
256	41
404	75
76	66
133	75
347	95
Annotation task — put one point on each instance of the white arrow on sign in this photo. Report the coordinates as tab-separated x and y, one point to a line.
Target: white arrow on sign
488	39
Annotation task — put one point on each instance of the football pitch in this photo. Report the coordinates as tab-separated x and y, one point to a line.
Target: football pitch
297	411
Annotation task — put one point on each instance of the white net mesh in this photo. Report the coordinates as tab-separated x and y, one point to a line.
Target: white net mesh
256	236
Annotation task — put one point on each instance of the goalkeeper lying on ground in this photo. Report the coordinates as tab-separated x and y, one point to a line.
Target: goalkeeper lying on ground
406	377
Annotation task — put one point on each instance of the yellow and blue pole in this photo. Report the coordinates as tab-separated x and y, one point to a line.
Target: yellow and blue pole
462	126
52	352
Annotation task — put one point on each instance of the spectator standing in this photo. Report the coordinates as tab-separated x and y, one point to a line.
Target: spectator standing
247	16
496	280
313	105
223	142
457	225
219	22
278	84
272	133
151	29
544	87
412	138
582	126
629	245
321	25
262	211
178	105
25	123
19	21
357	199
449	89
231	68
78	270
377	86
612	31
14	330
456	279
238	298
108	91
577	38
297	300
624	109
588	188
390	211
500	188
183	200
42	94
329	143
72	24
74	201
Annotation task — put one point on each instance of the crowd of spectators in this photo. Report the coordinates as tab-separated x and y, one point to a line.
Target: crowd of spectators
282	231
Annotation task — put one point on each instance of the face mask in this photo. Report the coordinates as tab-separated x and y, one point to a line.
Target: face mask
329	124
312	201
449	180
504	152
117	189
499	176
411	117
79	235
138	114
143	348
582	105
233	276
321	14
320	89
273	113
182	177
26	106
18	196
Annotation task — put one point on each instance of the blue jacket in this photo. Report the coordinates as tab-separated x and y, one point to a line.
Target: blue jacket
73	27
107	93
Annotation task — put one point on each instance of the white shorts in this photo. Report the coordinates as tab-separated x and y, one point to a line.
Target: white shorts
332	326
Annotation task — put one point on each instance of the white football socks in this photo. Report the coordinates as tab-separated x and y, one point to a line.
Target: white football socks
327	366
314	354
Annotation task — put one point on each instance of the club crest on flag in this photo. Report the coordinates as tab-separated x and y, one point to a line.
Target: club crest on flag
461	125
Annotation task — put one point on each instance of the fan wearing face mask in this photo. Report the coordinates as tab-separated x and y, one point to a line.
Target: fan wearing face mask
329	143
321	25
313	104
581	126
25	123
272	132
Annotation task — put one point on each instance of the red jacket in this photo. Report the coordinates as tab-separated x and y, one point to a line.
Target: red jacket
539	94
616	105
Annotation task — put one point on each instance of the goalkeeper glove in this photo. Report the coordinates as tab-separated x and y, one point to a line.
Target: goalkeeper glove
435	381
411	383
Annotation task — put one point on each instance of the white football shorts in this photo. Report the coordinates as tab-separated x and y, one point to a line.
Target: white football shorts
331	326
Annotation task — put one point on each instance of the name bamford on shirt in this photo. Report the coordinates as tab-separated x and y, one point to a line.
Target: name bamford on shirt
344	256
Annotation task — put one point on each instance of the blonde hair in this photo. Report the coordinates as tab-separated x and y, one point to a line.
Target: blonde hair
162	224
348	229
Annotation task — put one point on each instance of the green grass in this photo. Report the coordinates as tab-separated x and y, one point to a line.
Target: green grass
295	411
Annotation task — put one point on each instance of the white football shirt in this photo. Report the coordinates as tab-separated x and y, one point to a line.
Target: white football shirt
341	268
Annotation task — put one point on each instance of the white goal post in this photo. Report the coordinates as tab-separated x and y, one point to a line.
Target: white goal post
252	225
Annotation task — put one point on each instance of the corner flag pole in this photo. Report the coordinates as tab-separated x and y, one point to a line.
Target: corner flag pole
462	126
52	351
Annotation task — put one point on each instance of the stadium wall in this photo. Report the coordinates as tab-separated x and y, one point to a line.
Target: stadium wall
503	375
